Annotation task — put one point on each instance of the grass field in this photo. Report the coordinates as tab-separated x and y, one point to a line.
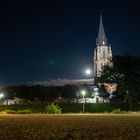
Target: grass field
73	108
70	127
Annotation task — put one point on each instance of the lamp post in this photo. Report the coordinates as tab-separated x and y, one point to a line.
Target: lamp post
83	93
1	96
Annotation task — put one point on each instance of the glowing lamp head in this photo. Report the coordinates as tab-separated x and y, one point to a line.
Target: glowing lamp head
83	92
96	93
1	95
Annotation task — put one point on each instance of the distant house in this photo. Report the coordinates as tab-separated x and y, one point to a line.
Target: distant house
12	101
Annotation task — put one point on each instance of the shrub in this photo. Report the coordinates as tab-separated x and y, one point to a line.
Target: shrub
118	111
53	109
10	111
24	111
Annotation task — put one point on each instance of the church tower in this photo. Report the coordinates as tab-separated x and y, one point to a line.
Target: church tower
102	52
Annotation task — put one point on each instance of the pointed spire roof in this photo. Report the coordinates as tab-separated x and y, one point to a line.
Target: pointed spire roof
101	40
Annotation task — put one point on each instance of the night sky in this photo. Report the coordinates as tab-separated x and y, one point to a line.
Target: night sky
41	40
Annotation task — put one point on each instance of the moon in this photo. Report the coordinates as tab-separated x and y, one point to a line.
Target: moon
88	71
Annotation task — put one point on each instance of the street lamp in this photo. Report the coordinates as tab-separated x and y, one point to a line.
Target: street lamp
83	93
1	95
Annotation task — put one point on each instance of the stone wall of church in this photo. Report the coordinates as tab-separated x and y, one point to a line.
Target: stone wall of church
102	57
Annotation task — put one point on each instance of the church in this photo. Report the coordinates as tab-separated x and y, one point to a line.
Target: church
102	52
102	57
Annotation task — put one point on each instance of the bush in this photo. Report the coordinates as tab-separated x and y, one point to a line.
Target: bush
53	109
24	111
118	111
10	111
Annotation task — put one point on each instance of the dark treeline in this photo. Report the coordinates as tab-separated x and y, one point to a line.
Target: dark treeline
45	93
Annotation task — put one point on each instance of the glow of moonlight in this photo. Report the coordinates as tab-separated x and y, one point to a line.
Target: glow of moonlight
88	71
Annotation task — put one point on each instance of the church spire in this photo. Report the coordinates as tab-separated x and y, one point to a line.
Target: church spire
101	40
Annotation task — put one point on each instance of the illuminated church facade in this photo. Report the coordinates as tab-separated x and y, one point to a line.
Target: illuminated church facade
102	52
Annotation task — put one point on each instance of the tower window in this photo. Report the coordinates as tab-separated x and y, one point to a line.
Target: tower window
103	54
102	66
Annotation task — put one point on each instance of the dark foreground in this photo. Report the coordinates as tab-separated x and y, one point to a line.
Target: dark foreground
70	127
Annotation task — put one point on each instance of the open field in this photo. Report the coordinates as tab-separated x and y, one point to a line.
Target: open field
69	127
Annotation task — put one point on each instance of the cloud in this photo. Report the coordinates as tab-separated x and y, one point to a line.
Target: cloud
62	82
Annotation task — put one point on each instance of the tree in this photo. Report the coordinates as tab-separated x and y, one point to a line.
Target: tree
125	72
103	92
69	91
